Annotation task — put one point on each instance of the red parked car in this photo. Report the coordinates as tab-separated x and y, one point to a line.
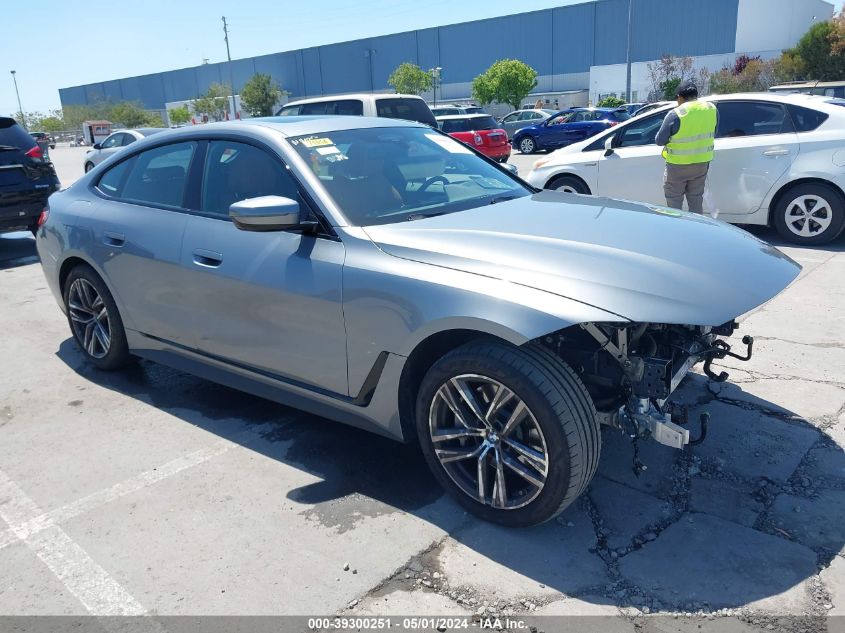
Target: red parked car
480	131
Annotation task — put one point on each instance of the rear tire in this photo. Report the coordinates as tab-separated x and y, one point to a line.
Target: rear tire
527	145
568	184
810	214
544	408
94	320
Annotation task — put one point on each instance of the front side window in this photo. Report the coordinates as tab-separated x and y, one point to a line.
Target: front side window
128	139
158	176
114	140
642	132
386	175
564	117
237	171
751	118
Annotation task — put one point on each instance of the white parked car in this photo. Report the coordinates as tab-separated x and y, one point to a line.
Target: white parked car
780	160
115	141
391	106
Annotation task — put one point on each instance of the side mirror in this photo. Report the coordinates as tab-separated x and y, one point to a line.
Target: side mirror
608	145
97	146
266	213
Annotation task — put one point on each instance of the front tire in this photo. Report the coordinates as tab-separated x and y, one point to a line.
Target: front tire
510	432
94	320
527	145
810	214
568	184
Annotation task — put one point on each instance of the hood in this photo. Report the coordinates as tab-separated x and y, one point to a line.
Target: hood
641	262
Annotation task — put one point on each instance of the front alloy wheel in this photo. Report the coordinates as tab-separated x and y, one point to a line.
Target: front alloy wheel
488	441
510	432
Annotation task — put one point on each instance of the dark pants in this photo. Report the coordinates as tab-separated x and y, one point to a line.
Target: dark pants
685	180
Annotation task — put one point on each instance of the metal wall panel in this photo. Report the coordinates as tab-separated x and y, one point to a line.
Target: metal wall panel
428	48
574	38
283	68
347	67
311	74
611	32
72	96
682	28
390	51
208	74
180	85
112	91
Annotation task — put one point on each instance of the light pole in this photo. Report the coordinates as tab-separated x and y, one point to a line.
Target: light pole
628	54
20	107
435	75
231	76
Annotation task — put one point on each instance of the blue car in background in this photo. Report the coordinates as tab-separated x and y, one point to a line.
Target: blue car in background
567	127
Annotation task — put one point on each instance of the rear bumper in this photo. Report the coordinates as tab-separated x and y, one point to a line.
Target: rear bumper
500	152
20	216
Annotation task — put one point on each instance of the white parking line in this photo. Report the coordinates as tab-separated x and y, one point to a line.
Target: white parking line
92	585
98	592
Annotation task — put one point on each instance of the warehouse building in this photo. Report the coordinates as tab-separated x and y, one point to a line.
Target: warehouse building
580	52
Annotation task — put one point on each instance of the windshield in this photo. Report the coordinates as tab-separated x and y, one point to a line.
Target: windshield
386	175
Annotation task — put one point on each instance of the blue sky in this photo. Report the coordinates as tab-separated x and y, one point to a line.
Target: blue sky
81	41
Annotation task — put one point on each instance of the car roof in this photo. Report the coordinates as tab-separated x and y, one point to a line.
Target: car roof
298	125
146	131
363	96
474	115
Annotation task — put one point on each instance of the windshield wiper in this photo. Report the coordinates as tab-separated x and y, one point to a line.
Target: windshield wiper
502	199
421	216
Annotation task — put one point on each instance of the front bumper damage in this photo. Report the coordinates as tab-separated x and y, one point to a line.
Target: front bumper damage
647	411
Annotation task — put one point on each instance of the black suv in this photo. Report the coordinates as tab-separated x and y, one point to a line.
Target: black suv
27	178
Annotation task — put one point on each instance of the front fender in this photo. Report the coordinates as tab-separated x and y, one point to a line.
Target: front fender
392	304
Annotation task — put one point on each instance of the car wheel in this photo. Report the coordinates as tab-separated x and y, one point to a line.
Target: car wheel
510	432
527	145
568	184
88	167
810	214
94	320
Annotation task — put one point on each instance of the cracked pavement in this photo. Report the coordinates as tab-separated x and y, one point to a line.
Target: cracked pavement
154	491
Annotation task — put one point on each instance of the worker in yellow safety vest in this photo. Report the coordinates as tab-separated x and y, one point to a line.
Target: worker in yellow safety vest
687	134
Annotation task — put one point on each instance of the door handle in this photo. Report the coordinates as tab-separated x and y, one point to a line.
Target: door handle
114	239
776	152
209	259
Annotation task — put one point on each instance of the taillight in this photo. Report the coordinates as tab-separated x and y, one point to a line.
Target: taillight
45	213
35	152
612	123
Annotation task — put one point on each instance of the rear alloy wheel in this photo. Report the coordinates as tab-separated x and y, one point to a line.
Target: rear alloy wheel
510	432
94	320
527	145
810	214
568	184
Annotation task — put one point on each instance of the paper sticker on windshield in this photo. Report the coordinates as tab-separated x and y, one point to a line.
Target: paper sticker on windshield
328	150
316	141
450	145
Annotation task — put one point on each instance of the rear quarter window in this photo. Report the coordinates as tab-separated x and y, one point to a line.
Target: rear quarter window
806	119
407	109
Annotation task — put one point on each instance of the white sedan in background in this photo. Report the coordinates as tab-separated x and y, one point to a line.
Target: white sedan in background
780	160
114	142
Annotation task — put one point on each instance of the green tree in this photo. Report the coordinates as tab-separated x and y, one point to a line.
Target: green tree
669	88
507	81
132	114
789	67
180	115
410	79
748	74
610	102
260	95
214	102
821	50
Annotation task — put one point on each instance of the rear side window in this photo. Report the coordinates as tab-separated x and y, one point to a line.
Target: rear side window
348	107
237	171
620	115
806	119
111	182
159	175
407	109
14	135
751	118
290	111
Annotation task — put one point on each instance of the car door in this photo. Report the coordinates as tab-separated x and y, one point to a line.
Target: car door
266	301
755	145
554	131
137	236
634	169
510	123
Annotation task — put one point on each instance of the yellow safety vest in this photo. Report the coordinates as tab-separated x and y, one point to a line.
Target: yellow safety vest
693	142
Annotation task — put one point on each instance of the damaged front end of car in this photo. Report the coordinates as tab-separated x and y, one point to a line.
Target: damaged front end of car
631	371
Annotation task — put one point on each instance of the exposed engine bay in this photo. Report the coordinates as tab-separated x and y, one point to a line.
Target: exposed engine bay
631	371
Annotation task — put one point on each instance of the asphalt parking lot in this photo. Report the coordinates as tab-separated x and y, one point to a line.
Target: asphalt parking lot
149	491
